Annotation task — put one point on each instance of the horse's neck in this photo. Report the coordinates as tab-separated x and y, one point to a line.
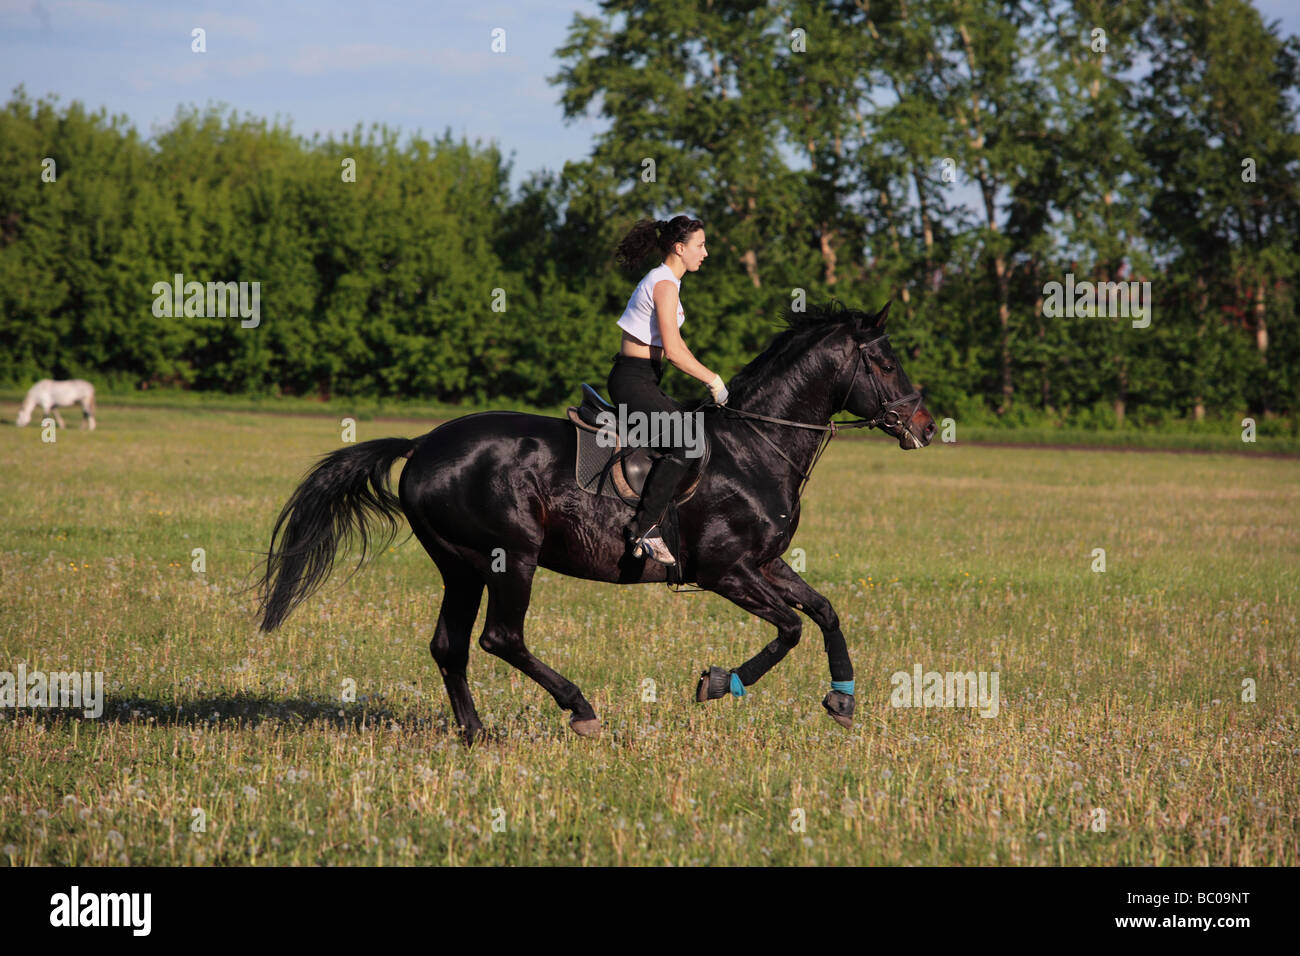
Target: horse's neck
801	394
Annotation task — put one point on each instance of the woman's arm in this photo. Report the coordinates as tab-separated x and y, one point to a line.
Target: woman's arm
665	298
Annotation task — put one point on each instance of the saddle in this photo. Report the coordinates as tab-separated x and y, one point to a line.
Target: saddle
617	471
620	472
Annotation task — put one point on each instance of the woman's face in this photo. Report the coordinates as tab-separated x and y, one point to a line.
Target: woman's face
692	250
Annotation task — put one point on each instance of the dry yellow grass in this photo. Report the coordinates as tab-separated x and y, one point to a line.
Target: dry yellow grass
1119	691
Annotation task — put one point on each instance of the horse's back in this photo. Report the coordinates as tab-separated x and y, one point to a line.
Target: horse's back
73	386
484	444
482	480
494	429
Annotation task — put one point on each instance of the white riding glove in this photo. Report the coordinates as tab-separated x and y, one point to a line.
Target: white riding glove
718	390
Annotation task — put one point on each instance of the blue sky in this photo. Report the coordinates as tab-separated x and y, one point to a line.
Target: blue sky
324	65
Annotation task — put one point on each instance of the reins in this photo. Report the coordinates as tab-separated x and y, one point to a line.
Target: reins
887	409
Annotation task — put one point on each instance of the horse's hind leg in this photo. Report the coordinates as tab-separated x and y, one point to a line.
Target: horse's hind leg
509	592
797	593
450	645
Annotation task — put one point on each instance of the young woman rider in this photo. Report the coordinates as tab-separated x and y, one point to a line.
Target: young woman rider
650	325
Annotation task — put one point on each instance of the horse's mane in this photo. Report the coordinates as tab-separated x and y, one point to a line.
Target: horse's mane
787	346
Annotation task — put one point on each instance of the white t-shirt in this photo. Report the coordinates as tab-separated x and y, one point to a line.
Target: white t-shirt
639	319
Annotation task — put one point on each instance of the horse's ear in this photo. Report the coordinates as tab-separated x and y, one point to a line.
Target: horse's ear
877	321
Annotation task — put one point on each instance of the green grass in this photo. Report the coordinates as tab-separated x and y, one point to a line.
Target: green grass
1119	690
192	402
1212	436
1274	435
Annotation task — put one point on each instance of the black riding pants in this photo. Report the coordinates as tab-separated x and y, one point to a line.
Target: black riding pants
634	382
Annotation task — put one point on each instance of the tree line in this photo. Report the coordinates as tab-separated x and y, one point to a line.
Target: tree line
968	159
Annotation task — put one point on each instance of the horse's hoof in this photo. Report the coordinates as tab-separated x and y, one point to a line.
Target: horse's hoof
715	683
473	735
840	707
585	728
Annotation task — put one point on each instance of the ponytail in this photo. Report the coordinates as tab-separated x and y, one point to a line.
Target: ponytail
651	234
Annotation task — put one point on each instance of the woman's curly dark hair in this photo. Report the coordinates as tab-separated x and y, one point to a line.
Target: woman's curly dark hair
651	234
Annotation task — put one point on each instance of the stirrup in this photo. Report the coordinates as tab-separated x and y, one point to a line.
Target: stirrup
651	545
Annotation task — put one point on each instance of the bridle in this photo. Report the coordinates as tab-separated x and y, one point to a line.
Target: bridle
887	417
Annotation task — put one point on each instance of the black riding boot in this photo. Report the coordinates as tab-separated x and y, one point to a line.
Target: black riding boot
660	487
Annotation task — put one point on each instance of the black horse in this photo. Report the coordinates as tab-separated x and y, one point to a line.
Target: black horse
492	496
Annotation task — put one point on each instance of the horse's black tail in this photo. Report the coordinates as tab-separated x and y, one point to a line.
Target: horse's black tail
345	492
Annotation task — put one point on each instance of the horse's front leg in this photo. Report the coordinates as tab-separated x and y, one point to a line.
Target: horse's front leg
797	593
746	587
58	419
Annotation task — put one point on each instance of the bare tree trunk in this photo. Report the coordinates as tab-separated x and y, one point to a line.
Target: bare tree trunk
828	252
1121	400
1261	335
1003	281
1198	410
988	187
1045	383
927	231
749	258
1004	323
1261	323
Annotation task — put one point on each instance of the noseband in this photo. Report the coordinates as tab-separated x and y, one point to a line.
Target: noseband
888	416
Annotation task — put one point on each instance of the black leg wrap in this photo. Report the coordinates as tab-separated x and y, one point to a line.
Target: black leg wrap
837	652
762	662
750	671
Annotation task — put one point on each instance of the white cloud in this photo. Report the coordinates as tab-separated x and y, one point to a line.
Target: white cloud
248	65
312	60
447	61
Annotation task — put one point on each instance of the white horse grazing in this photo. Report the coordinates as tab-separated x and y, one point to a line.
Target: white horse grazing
50	394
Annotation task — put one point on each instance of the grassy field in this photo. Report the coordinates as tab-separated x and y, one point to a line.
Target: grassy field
1274	435
1119	691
